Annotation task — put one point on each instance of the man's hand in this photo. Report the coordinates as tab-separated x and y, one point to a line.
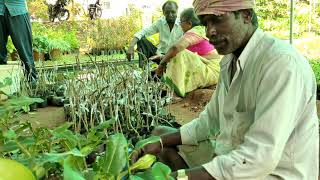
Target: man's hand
156	58
160	70
153	148
130	53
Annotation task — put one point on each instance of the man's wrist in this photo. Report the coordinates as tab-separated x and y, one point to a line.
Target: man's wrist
163	63
131	48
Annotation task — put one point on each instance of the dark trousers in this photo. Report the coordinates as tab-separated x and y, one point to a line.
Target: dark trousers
146	50
19	29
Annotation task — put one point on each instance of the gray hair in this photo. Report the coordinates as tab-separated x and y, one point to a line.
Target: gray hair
190	15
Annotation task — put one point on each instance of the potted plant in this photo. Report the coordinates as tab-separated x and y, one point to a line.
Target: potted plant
40	46
57	46
73	41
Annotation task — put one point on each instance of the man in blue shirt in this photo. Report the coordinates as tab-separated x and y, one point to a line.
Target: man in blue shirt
15	22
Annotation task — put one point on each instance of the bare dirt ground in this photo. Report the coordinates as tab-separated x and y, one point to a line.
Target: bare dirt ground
48	117
191	106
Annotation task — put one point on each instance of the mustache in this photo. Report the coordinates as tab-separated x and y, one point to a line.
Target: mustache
215	40
171	18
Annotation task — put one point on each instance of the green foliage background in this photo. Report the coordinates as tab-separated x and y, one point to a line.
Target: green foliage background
274	16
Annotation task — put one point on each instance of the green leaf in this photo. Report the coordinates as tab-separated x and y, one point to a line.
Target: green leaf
145	162
11	145
105	125
144	175
24	101
10	134
161	171
63	132
25	109
16	103
62	128
89	174
136	178
121	101
88	149
163	112
39	171
149	140
7	81
23	127
58	157
115	158
70	172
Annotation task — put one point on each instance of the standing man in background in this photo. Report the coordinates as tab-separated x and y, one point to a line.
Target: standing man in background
169	29
15	22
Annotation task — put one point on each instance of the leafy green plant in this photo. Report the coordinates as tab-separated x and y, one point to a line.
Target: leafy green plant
39	29
59	44
71	38
38	9
62	152
10	46
14	103
8	108
315	64
274	17
114	106
114	33
103	150
40	43
120	92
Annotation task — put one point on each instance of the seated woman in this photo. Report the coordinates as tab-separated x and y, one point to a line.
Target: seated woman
192	62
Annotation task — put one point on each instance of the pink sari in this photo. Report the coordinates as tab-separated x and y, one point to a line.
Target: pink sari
202	48
191	68
196	41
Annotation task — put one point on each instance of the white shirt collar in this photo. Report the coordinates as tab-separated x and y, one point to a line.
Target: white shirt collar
164	21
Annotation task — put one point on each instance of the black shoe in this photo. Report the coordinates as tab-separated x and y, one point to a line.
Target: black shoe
3	63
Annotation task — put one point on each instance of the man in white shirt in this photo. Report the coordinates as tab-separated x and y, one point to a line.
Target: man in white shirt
262	116
169	29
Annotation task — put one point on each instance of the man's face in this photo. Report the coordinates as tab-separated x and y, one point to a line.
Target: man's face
170	12
226	32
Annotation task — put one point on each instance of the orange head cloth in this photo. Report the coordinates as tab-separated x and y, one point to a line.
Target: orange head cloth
218	7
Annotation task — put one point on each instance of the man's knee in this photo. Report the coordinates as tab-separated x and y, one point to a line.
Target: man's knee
169	153
143	39
160	130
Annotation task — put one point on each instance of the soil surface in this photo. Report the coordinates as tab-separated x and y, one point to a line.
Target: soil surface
191	106
48	117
